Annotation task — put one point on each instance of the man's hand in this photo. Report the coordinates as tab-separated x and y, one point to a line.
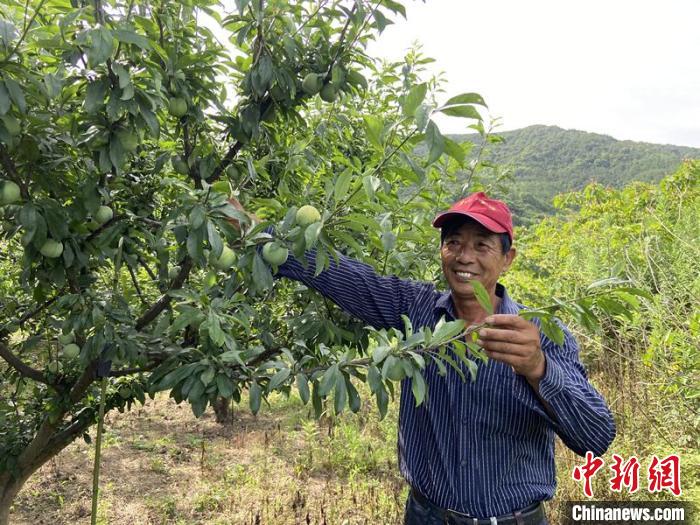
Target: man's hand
516	342
233	201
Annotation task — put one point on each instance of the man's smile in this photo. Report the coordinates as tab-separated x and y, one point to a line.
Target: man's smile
464	276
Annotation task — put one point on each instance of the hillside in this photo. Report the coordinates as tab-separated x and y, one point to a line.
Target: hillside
547	160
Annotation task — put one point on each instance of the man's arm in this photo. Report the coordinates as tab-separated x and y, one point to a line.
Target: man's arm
552	381
354	286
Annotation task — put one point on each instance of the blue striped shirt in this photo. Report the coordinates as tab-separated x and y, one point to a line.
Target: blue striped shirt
484	448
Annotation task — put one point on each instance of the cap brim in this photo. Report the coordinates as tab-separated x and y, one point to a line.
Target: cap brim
486	222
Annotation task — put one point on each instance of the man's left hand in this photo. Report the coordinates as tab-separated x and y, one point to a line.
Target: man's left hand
516	342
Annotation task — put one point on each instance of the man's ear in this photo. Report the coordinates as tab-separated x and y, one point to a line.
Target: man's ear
510	256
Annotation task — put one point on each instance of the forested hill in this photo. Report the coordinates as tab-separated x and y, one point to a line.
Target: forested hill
548	160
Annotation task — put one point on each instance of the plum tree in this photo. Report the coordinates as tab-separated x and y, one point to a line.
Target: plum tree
93	88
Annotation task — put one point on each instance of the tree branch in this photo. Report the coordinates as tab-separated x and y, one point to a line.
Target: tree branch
136	284
137	370
22	367
162	303
12	173
24	32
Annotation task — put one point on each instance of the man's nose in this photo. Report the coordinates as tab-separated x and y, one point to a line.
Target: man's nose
465	254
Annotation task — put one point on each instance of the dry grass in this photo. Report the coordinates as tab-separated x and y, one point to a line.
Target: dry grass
163	466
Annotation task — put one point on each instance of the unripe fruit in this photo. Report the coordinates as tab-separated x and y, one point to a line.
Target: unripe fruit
179	165
66	339
329	93
51	249
307	215
104	214
174	272
177	107
226	260
71	351
275	254
9	192
210	279
129	140
125	392
53	367
311	84
278	93
232	172
161	244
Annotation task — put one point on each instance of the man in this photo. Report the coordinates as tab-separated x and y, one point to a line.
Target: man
481	452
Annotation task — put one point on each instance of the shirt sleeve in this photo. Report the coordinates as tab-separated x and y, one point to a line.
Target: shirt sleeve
359	290
583	419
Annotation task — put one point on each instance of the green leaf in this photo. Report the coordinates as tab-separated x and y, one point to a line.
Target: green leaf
380	353
224	385
16	94
445	330
279	378
341	394
261	273
215	241
354	401
552	330
216	334
382	401
197	217
374	378
95	95
435	142
418	387
303	387
371	184
8	32
207	376
421	115
414	98
5	102
381	21
255	394
342	184
482	296
329	379
466	98
610	281
311	234
374	129
461	110
101	47
454	150
130	37
388	239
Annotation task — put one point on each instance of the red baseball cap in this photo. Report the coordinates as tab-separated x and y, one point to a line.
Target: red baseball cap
492	214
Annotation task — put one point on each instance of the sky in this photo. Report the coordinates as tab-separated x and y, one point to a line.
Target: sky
629	69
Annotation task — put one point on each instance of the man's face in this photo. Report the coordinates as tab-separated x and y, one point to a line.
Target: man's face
473	253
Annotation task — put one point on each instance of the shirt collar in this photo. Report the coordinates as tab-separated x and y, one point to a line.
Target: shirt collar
506	306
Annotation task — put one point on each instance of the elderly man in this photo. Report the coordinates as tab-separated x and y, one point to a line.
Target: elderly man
481	452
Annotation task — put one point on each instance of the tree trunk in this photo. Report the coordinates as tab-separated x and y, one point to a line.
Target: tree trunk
47	443
9	488
222	410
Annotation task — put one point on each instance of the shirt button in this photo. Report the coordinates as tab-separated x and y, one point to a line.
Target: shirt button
465	420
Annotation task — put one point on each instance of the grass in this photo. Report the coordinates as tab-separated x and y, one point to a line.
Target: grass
163	466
